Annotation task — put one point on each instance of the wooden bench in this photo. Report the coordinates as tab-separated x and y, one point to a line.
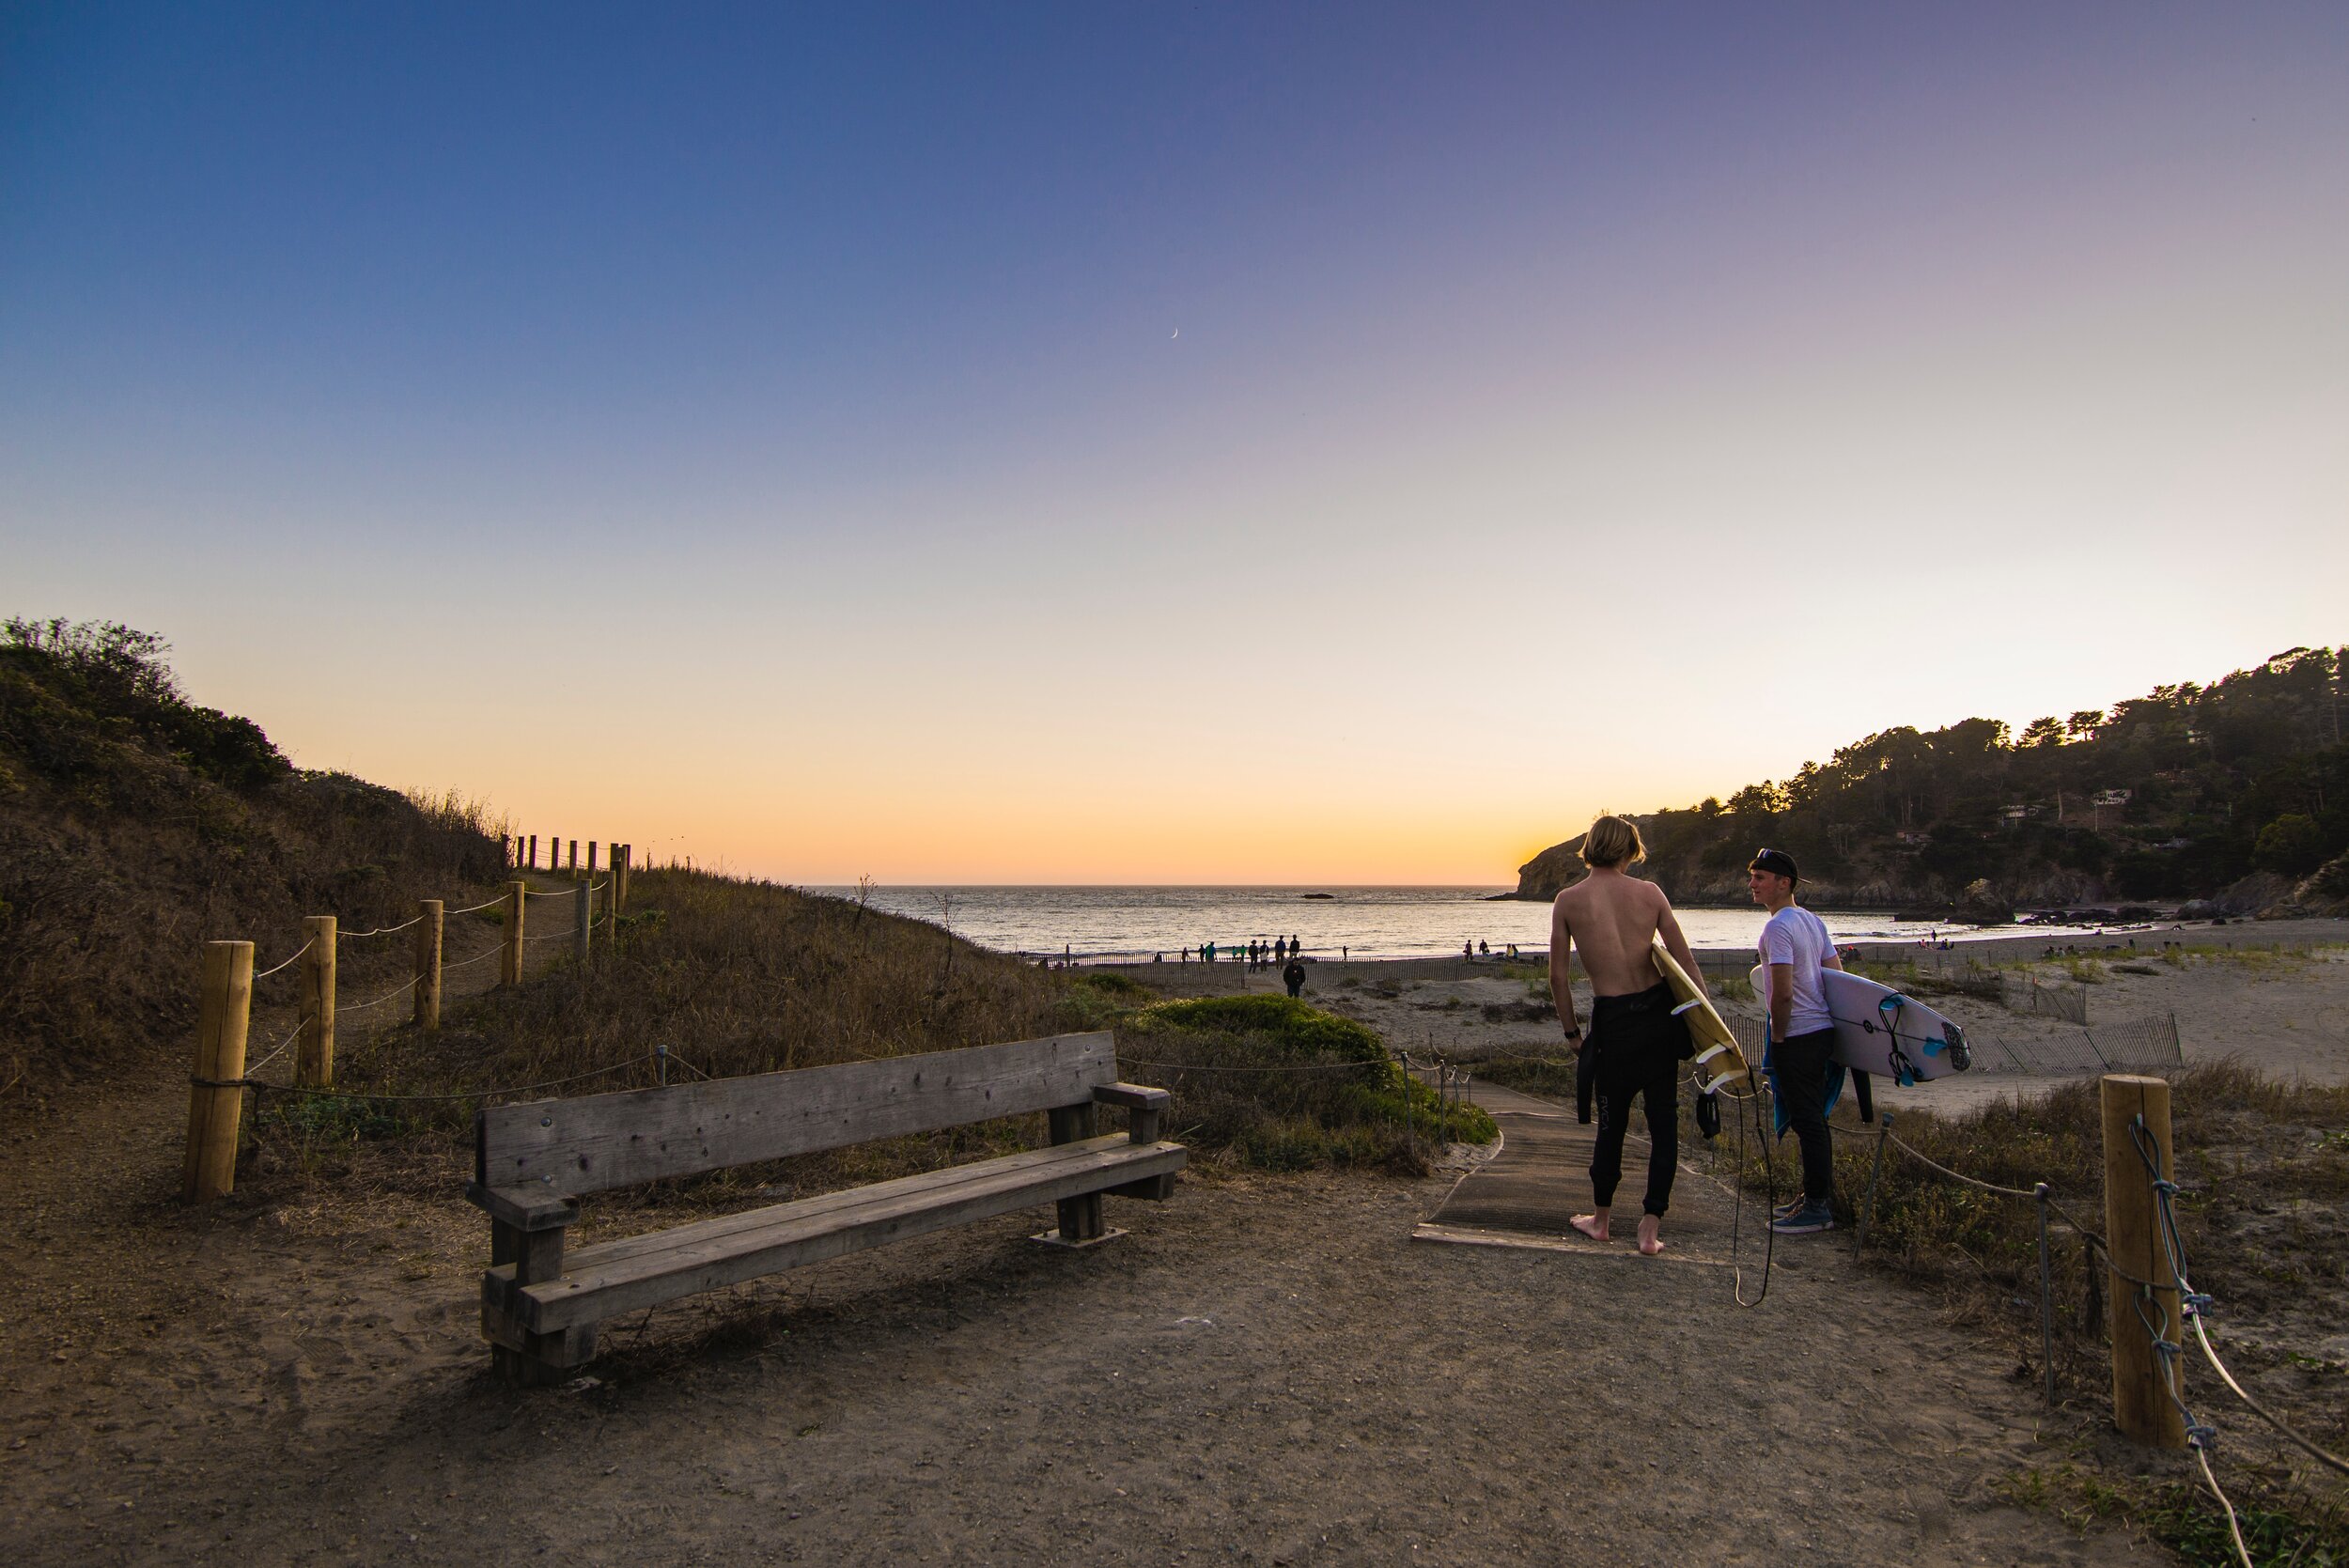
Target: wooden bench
533	1162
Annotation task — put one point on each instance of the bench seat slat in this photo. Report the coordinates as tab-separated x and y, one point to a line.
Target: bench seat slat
604	1254
641	1271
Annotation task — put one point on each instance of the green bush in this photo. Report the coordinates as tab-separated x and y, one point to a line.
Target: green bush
1277	1084
2292	844
1296	1027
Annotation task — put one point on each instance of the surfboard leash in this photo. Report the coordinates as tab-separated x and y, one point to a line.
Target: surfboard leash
1737	1212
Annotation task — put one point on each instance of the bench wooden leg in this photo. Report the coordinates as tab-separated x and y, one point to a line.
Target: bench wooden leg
516	1354
1081	1217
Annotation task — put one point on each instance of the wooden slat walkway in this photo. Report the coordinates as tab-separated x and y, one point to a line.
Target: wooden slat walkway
1526	1195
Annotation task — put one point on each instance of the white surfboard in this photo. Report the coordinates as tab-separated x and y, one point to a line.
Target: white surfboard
1879	1031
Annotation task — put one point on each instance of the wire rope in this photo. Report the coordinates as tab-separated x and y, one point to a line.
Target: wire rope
379	931
402	989
297	955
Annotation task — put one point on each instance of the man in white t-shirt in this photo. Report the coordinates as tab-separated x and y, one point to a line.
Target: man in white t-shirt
1795	947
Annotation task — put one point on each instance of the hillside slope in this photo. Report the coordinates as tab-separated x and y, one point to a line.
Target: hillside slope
2237	790
135	825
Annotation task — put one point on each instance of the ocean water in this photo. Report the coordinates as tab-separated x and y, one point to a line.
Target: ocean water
1133	922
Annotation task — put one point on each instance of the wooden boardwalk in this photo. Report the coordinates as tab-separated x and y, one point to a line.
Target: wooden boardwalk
1526	1195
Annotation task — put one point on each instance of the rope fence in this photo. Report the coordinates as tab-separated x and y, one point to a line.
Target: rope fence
220	1073
285	963
2146	1297
378	931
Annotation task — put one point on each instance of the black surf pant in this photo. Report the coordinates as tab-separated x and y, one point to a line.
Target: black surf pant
1638	1048
1801	1063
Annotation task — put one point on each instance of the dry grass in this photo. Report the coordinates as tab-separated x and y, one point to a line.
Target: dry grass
2264	1171
735	977
137	825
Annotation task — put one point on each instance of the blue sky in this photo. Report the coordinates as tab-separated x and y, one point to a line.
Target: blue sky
1056	443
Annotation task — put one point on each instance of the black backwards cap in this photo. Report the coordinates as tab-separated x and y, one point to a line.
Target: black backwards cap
1776	860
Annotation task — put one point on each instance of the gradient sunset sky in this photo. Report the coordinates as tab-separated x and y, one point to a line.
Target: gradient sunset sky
1041	443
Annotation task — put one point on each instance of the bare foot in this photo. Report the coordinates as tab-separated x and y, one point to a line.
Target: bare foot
1650	1243
1592	1225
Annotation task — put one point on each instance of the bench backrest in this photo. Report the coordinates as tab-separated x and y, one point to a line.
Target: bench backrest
564	1148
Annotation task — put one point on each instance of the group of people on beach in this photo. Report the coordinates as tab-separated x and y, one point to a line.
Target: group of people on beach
1258	954
1637	1042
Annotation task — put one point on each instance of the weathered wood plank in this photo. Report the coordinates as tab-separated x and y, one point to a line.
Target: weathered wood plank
596	1289
717	1228
1133	1096
526	1210
563	1148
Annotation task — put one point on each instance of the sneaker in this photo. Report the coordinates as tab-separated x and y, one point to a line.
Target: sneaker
1808	1220
1796	1207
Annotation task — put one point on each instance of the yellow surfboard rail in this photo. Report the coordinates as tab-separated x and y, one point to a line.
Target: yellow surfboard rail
1718	1059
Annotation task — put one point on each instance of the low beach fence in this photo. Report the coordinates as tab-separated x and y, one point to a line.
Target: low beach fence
225	1067
1321	973
2125	1046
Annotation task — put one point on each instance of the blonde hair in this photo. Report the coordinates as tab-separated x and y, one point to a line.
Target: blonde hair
1612	841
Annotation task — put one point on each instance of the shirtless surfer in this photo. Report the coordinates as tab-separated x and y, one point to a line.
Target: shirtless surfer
1611	920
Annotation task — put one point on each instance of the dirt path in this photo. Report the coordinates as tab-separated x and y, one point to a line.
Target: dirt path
1263	1371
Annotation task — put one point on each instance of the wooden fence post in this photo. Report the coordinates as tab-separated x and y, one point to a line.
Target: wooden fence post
622	855
314	1053
574	858
510	957
534	853
224	1010
2142	1405
583	917
429	922
591	859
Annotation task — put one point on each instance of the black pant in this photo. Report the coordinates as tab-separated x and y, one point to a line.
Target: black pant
1801	1063
1640	1046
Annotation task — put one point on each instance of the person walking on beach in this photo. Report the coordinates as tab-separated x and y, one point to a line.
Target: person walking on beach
1295	977
1795	948
1611	921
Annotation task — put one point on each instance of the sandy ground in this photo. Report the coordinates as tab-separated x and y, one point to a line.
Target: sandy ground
1263	1370
2285	1012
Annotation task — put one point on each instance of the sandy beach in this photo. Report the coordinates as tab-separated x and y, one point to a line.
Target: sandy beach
2275	994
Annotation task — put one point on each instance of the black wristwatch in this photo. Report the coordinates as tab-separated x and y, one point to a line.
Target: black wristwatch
1574	1035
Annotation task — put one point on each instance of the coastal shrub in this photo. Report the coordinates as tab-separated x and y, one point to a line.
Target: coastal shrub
1274	1083
1297	1027
2293	844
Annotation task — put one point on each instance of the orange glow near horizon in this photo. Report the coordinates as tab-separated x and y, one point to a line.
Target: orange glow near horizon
1040	450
